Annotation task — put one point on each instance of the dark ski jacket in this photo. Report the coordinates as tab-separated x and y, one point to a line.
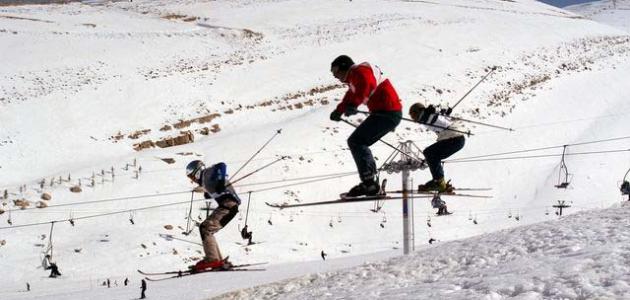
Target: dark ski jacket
214	181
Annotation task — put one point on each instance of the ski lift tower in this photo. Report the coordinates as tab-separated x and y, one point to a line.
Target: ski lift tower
561	204
625	186
409	161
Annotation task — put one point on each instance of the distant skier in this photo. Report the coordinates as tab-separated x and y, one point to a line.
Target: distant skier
215	184
366	85
54	270
448	143
47	264
143	288
126	282
323	254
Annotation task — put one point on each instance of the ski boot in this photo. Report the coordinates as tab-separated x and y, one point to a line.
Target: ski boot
365	188
443	211
205	265
436	185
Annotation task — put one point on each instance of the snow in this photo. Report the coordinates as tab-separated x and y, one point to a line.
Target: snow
584	256
76	75
614	13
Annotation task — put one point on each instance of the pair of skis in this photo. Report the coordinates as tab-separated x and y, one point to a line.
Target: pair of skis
151	276
384	196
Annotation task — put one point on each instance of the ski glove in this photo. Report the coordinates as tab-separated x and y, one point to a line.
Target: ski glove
350	110
446	111
335	116
426	114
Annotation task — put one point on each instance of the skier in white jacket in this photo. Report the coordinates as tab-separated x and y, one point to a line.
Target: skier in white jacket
450	139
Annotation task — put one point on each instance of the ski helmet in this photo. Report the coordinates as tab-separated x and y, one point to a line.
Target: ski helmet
343	62
193	170
415	110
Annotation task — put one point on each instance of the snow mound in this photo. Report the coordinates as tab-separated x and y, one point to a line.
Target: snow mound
614	13
583	256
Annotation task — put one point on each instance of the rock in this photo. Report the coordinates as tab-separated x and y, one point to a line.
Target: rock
215	128
168	160
185	137
22	203
168	227
46	196
143	145
76	189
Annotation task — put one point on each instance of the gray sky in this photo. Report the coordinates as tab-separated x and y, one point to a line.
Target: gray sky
563	3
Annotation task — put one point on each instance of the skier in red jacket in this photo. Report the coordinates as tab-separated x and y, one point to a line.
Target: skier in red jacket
366	85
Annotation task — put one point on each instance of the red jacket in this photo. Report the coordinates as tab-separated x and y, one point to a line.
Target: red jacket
365	85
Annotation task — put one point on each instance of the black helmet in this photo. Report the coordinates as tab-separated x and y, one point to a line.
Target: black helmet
343	62
193	170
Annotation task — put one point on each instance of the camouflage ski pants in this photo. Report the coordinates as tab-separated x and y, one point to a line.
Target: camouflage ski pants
220	217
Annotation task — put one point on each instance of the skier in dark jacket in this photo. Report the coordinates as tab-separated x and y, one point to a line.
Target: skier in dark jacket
54	270
216	186
450	139
366	85
143	288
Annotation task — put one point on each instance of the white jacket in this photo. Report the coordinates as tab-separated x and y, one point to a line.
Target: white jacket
442	127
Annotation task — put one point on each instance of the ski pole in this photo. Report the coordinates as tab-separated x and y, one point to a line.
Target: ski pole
475	86
192	195
260	149
480	123
257	170
249	199
468	133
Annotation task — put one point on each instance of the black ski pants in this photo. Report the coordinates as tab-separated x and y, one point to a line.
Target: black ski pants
377	125
435	153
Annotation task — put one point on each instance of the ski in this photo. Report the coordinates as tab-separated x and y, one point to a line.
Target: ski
443	214
189	272
337	201
451	194
248	244
373	198
452	191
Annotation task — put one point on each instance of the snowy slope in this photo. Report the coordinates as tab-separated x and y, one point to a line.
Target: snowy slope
614	13
584	256
80	79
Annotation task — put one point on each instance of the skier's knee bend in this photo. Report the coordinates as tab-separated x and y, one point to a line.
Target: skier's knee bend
209	226
430	156
232	211
352	143
356	140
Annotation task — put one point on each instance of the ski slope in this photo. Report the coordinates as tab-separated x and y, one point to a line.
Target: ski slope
614	13
584	256
85	82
